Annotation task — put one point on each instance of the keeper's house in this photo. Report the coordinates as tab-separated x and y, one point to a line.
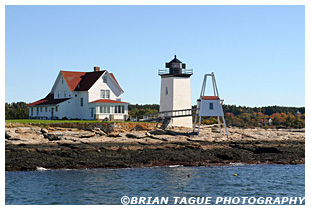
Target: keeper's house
82	95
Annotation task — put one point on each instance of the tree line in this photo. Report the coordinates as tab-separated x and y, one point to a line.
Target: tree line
16	110
240	116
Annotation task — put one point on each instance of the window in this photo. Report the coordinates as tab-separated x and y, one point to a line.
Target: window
211	106
37	110
166	90
81	101
108	94
102	93
31	110
56	108
104	109
46	109
65	93
105	78
62	80
58	95
92	111
41	109
119	109
105	94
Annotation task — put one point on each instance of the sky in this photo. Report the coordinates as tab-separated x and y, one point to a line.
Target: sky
257	53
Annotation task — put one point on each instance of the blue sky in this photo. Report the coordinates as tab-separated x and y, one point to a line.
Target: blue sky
256	52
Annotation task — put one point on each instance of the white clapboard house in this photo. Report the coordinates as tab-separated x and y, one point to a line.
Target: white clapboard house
82	95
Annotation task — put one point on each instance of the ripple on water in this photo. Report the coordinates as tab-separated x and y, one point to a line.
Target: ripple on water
107	186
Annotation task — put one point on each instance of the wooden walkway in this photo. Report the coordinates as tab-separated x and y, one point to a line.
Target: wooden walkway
159	116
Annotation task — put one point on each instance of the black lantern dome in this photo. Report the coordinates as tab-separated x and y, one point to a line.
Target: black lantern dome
175	68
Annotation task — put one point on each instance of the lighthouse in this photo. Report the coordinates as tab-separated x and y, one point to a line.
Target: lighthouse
176	91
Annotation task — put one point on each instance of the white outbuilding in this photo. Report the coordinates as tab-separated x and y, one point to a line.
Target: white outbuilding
210	105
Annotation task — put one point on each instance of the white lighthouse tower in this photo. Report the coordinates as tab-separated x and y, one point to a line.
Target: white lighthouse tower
176	91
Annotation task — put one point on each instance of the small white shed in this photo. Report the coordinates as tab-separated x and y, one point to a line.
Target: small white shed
210	106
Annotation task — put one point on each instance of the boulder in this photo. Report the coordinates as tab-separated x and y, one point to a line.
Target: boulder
98	131
7	136
52	137
44	130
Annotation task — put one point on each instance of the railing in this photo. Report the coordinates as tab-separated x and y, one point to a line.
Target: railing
175	71
168	114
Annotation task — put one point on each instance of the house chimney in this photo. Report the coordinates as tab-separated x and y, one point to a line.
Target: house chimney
96	68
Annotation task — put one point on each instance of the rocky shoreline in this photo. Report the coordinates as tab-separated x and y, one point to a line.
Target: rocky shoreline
27	148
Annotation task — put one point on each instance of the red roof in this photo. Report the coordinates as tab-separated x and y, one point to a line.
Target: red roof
108	101
73	78
210	98
83	81
48	100
114	78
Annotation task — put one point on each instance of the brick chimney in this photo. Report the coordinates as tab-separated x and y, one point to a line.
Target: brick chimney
96	68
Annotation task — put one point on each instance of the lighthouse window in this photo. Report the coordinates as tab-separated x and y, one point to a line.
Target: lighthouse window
211	106
176	65
166	90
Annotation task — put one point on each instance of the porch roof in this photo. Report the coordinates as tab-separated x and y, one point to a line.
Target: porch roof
108	101
48	100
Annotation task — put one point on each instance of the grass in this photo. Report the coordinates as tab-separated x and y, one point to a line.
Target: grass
27	121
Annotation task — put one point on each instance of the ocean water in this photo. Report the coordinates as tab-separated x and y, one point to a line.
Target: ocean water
108	186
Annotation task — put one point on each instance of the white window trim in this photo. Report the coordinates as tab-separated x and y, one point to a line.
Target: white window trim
103	94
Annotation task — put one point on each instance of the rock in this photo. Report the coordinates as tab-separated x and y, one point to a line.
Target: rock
7	136
135	135
196	139
158	132
87	135
36	130
99	131
44	130
114	134
129	135
53	137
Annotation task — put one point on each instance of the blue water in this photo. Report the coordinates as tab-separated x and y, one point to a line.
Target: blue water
107	186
